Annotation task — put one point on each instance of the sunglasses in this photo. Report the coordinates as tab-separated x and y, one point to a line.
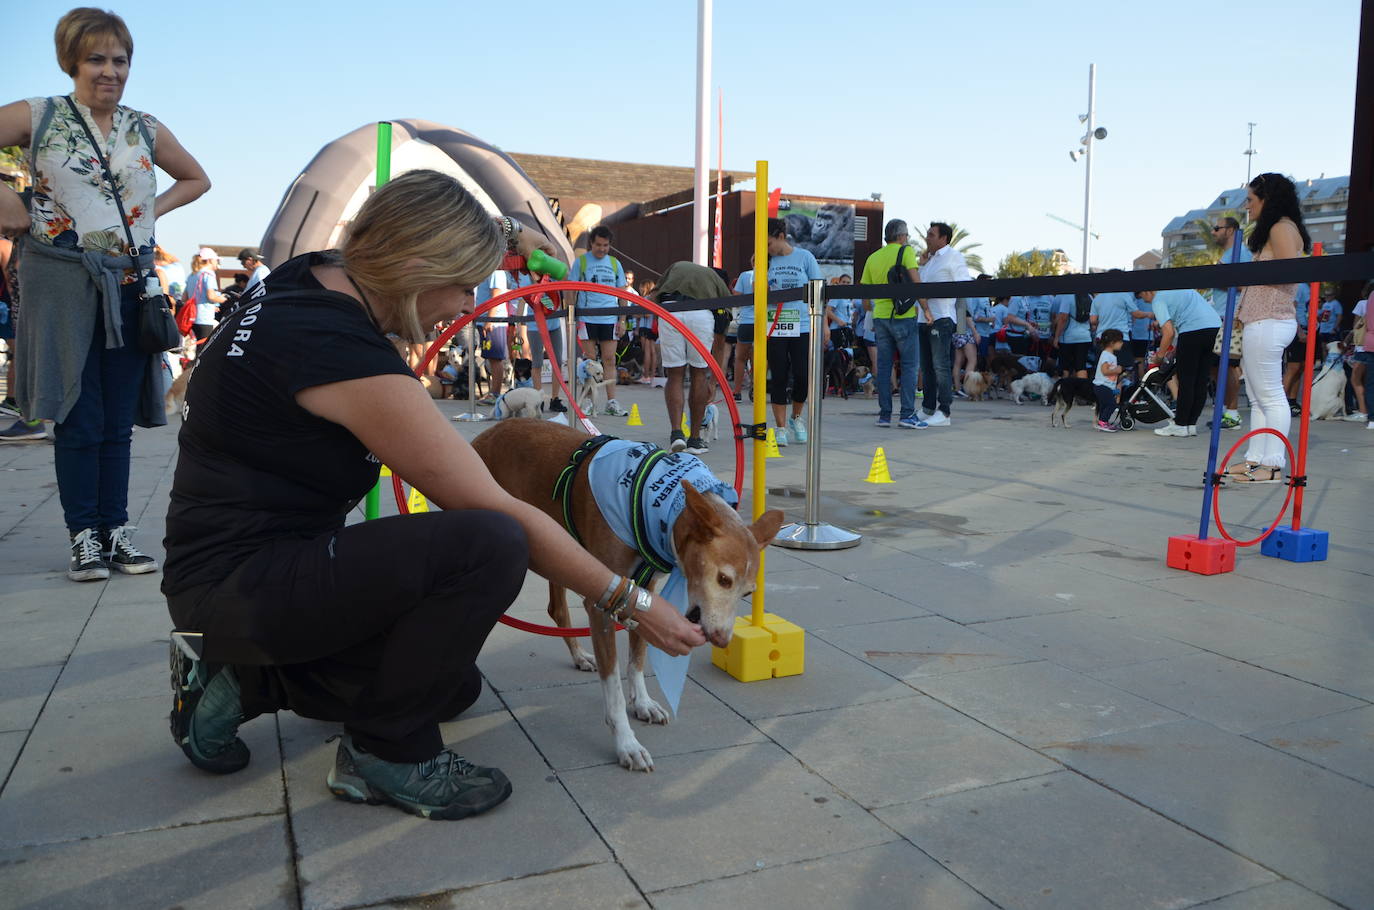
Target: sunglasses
1220	227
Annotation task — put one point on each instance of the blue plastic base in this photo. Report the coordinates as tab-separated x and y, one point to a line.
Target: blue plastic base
1302	545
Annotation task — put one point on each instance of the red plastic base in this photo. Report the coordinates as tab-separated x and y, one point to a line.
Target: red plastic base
1212	556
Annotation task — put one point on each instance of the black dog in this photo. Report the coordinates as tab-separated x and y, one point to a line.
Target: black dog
1067	392
523	368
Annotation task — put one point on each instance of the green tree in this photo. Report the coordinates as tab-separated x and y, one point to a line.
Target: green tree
958	240
1026	265
14	161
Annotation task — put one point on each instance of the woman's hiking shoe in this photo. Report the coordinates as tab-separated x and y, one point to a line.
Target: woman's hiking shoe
87	564
121	554
206	713
446	786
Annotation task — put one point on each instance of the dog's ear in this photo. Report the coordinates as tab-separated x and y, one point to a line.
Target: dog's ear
767	527
706	522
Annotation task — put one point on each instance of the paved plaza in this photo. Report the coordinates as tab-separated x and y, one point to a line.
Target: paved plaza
1009	701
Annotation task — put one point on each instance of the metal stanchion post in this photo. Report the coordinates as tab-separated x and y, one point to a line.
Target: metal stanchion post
470	341
813	534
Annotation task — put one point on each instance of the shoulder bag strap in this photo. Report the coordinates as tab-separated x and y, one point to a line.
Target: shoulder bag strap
109	176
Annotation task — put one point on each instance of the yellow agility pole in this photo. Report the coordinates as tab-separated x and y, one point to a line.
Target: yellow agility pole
764	645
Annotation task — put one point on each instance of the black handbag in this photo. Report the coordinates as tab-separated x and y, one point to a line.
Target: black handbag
157	324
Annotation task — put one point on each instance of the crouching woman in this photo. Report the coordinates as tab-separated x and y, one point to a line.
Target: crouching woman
374	625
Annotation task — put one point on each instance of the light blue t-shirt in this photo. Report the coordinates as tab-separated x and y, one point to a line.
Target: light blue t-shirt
793	271
497	283
1219	294
198	289
526	308
1016	307
1075	332
1140	325
846	309
744	284
1113	311
594	308
1188	310
1328	312
1040	310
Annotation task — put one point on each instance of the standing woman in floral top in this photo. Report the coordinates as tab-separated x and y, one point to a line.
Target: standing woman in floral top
79	363
1267	316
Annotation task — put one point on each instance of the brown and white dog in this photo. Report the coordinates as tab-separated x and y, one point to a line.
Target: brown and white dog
716	549
975	386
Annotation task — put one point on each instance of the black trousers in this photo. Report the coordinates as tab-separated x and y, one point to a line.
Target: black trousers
377	626
787	363
1193	358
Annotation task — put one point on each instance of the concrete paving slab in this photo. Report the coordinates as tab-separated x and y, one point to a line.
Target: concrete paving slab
238	863
821	599
1278	896
42	640
714	814
114	672
23	691
1039	703
1304	823
1342	742
832	679
912	649
903	750
890	875
566	724
356	854
586	888
1229	632
1308	610
1061	842
91	770
1084	641
1232	695
1346	666
10	744
959	593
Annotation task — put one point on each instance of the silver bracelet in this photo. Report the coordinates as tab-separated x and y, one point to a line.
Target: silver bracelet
604	602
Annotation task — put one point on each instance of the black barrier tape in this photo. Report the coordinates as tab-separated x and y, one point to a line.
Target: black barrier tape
1302	270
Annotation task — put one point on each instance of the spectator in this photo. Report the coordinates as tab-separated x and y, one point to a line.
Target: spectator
598	312
172	272
1107	379
493	344
537	350
1073	335
1189	326
1362	371
1114	310
688	281
790	331
1270	323
966	340
251	260
647	329
202	289
894	333
936	334
375	625
1227	233
79	360
744	333
1142	331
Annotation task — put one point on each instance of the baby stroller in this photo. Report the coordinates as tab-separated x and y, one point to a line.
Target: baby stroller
1149	401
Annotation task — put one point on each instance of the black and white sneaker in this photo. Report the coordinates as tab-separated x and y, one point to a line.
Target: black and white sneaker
697	446
122	555
87	564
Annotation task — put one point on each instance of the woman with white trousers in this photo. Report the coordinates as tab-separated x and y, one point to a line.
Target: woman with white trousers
1266	316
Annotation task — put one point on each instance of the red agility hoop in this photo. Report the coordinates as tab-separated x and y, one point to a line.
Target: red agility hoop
533	293
1216	498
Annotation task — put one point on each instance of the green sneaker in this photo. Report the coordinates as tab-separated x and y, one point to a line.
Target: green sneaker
206	713
446	786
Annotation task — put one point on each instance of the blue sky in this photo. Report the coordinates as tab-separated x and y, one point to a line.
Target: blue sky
961	112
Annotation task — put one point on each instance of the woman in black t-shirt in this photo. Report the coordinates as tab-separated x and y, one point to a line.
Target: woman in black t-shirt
296	401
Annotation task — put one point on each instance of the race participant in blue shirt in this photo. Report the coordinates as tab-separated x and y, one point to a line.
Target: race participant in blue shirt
600	312
1189	325
788	267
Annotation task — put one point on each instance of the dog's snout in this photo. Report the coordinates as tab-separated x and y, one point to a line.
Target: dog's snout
694	614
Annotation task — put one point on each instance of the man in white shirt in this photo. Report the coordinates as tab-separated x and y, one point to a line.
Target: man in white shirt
251	260
935	334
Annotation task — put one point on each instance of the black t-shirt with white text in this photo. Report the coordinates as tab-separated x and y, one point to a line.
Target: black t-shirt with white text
254	466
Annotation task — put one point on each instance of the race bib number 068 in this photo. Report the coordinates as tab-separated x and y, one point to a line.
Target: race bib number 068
789	324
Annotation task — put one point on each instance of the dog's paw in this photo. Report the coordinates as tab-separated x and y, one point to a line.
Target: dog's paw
648	710
634	756
584	661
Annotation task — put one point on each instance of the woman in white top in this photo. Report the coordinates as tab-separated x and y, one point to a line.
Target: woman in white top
79	363
1268	320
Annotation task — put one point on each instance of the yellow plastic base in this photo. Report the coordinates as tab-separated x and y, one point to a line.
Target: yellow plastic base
777	648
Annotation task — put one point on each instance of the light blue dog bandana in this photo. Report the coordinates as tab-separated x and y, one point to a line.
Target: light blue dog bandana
611	475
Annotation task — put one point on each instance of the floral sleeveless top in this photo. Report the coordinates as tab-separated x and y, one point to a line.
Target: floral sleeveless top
1267	301
73	204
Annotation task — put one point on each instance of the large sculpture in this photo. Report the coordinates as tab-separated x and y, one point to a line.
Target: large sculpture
324	197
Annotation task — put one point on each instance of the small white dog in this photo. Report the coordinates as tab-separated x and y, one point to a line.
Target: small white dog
527	402
1328	387
591	384
1039	383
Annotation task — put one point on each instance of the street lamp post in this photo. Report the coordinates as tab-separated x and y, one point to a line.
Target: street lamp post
1094	132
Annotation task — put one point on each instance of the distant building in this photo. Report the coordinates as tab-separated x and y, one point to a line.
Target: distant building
1058	258
1323	202
1150	259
